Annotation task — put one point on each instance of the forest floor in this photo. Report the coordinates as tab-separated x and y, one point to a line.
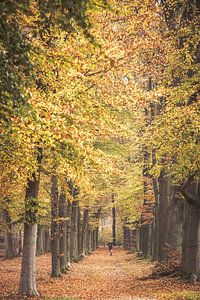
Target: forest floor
98	276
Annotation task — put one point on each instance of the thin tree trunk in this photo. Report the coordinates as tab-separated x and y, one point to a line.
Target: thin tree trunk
97	228
55	248
164	203
156	221
68	233
144	240
133	246
9	245
113	220
94	246
126	236
47	246
97	237
138	239
90	241
21	239
85	233
74	232
79	232
63	232
40	240
27	284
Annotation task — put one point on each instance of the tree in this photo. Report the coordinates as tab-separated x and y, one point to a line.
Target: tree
55	232
28	272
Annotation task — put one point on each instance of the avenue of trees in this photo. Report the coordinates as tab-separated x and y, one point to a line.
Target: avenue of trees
99	113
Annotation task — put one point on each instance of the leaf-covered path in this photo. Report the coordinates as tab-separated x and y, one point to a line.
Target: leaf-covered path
98	276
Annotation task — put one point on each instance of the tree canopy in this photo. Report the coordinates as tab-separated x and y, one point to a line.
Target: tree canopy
95	84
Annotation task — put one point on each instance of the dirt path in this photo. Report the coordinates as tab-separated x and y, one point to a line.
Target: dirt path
98	276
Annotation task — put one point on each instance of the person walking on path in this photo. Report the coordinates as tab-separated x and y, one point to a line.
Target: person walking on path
110	247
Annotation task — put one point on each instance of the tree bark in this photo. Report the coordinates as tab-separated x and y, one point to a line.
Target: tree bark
97	237
9	245
28	273
79	232
126	236
138	239
55	234
27	284
90	241
113	220
40	240
85	231
21	240
164	202
47	246
74	232
94	246
175	215
168	218
63	232
156	221
146	240
68	233
190	265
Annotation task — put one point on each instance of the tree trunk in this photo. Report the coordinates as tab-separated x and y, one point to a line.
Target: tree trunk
175	215
85	231
133	244
21	240
164	202
138	239
40	240
74	232
63	232
68	233
156	221
27	284
55	248
113	220
28	274
90	241
97	237
97	228
47	246
94	246
9	245
168	219
126	237
143	239
146	240
79	233
190	265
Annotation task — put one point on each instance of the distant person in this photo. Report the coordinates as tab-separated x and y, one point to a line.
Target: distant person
110	247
